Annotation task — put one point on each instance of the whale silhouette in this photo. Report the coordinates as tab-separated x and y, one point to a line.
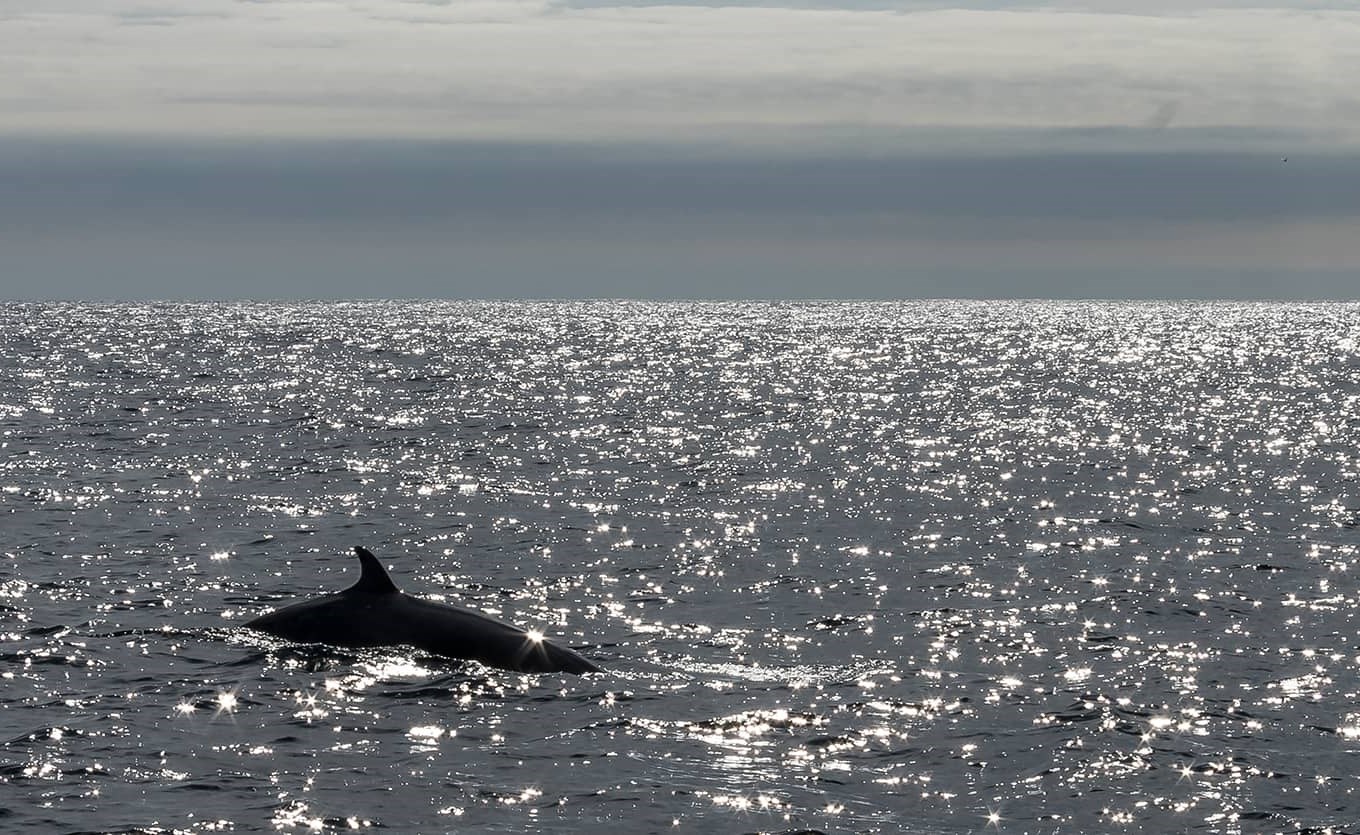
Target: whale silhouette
374	613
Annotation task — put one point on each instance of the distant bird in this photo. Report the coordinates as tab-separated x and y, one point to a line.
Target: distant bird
373	613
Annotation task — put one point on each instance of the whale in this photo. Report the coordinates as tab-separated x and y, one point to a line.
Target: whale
375	613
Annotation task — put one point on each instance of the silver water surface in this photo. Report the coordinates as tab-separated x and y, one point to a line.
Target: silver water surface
948	567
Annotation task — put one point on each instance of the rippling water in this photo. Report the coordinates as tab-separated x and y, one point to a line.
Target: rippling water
850	567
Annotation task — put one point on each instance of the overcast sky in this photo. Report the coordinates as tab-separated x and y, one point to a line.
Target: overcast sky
755	148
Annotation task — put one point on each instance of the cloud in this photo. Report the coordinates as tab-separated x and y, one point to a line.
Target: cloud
320	219
766	75
79	183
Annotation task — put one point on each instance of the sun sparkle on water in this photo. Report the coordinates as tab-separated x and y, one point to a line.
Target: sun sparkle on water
1090	560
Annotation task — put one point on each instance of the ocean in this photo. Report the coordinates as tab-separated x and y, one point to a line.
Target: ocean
935	567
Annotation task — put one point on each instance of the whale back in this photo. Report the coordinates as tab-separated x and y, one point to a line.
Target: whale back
373	579
374	613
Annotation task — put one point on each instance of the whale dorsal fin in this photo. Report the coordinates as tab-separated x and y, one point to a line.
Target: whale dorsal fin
374	579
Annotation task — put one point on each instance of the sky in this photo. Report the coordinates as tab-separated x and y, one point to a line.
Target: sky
643	148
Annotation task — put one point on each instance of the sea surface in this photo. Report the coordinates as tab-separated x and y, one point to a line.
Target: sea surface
933	567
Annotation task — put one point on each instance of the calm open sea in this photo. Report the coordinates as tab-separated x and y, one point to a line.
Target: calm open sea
929	567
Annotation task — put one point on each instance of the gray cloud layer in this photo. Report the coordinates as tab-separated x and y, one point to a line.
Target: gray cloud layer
458	219
68	182
768	75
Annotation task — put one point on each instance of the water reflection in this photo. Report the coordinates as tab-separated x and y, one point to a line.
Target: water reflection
988	567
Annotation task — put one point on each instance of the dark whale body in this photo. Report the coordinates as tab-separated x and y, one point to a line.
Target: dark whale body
373	613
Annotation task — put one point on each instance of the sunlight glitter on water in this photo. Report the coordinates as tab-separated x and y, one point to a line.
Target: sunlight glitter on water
988	567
